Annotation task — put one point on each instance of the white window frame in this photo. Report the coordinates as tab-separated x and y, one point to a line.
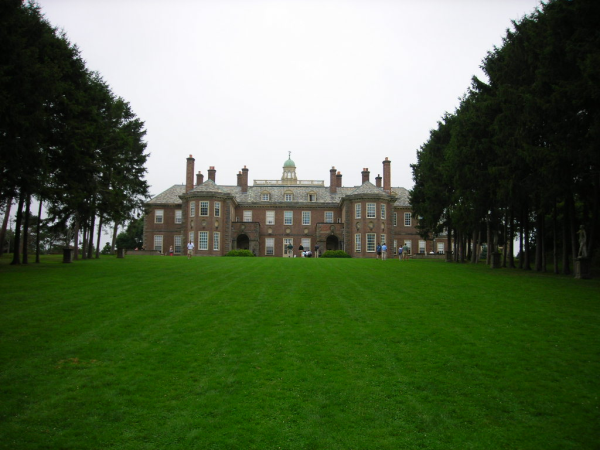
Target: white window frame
358	211
312	197
178	216
191	236
192	209
288	197
286	242
288	217
383	240
407	219
306	244
158	242
422	246
159	216
247	215
371	210
216	240
357	243
203	208
371	243
217	208
177	243
269	246
265	197
382	209
328	216
270	218
202	240
395	219
305	217
441	248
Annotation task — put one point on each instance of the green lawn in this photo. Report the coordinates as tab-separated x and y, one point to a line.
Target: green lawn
274	353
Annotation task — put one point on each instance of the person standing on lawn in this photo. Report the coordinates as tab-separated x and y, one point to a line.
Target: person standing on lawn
190	248
384	252
400	253
378	250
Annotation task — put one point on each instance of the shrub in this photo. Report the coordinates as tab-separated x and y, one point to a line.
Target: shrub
240	253
335	254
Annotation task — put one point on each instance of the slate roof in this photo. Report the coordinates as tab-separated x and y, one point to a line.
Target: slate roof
253	196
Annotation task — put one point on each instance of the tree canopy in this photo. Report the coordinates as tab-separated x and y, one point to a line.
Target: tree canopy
519	156
65	138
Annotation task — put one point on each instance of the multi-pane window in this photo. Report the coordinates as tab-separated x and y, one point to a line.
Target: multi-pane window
288	197
202	240
269	246
265	196
178	216
306	243
247	216
407	219
192	209
305	217
191	237
358	211
159	216
287	217
270	217
177	244
312	197
382	207
357	242
421	246
216	240
395	219
408	245
217	209
383	240
371	210
158	243
204	208
371	242
328	216
440	248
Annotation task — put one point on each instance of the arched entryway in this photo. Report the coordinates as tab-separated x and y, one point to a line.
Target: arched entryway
332	243
243	242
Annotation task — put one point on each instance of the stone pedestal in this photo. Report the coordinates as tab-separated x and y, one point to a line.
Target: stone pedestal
582	268
67	255
120	253
495	260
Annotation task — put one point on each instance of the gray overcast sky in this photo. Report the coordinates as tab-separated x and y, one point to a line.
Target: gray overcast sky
242	82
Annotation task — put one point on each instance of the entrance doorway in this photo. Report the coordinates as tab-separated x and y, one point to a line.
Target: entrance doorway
332	243
243	242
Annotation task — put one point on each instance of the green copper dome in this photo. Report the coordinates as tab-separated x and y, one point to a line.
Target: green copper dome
289	162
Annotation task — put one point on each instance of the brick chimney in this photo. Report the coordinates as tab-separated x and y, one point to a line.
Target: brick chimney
239	178
378	180
199	178
245	179
387	175
332	182
189	174
338	179
365	175
212	173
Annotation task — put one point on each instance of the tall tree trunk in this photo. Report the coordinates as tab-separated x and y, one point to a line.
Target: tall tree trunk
17	243
566	269
26	230
572	225
98	240
37	234
490	249
75	238
91	237
555	238
539	241
475	251
527	258
84	236
511	239
5	224
114	239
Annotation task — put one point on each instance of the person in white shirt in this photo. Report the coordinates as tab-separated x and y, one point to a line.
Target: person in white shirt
190	247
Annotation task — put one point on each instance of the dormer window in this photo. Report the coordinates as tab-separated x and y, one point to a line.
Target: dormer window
312	197
265	197
288	197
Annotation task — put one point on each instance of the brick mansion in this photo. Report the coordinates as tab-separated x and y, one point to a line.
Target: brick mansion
273	218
